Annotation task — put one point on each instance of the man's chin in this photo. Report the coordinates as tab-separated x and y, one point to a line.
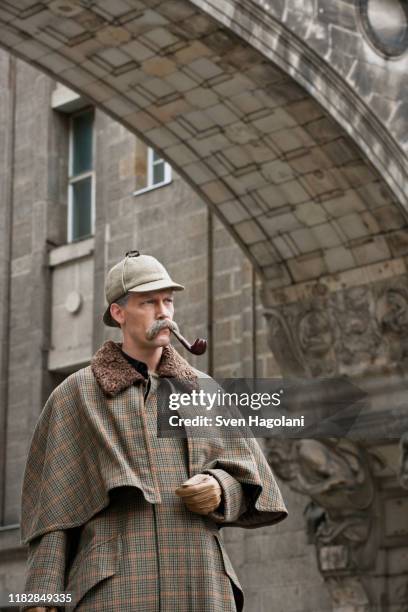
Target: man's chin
162	339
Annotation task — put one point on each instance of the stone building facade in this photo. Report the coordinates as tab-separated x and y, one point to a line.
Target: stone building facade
53	301
287	119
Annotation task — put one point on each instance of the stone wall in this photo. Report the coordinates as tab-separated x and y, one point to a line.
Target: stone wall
221	301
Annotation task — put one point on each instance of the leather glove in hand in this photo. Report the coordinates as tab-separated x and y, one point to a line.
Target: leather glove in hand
201	493
41	609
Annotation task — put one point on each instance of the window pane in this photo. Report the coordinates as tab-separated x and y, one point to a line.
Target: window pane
158	173
82	142
81	208
156	156
388	20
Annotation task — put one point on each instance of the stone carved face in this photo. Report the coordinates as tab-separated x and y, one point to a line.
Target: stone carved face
315	335
334	475
393	311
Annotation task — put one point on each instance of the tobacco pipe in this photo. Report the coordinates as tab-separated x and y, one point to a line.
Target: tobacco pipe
198	347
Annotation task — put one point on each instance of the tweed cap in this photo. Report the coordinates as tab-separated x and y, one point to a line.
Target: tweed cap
135	273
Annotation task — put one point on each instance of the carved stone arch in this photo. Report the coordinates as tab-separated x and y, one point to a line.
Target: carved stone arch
280	172
273	29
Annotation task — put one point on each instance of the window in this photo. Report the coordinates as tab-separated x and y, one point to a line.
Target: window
385	22
81	189
156	173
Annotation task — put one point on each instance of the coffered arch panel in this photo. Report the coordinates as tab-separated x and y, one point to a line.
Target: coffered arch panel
256	124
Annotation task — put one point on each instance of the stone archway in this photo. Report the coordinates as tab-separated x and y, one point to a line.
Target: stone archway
323	221
284	178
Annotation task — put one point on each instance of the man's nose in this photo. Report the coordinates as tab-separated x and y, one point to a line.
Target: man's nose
162	311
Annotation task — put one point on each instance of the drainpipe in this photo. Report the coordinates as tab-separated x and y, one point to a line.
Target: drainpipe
6	289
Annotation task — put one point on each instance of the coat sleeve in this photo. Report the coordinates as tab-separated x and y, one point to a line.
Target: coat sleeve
46	565
233	502
242	458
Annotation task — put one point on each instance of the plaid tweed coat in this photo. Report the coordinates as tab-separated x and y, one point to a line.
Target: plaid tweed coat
99	513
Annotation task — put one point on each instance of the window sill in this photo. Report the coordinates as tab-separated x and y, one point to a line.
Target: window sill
151	187
71	251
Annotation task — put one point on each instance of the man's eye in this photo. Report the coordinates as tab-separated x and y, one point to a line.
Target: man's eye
169	299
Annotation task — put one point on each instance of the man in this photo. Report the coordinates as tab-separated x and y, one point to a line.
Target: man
116	516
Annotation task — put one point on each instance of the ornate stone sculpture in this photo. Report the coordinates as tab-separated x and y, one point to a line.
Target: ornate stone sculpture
350	331
357	329
392	309
336	475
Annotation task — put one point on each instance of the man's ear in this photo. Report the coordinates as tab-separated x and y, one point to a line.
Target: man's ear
116	313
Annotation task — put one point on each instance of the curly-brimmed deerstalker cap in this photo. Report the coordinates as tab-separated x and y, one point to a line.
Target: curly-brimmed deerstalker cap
135	273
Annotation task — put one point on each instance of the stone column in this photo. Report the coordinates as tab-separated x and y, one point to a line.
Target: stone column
7	134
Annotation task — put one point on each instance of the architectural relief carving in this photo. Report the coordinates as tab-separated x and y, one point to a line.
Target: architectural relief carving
392	310
284	343
350	331
316	339
348	593
359	330
337	477
360	337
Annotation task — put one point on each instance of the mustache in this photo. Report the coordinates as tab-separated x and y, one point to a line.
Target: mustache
157	326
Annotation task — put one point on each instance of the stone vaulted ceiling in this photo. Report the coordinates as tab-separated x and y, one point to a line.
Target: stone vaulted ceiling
284	176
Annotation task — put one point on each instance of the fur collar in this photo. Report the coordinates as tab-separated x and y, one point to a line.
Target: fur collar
115	374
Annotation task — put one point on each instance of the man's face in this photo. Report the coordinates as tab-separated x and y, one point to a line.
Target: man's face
141	311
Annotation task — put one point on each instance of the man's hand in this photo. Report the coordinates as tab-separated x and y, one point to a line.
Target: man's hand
201	493
41	610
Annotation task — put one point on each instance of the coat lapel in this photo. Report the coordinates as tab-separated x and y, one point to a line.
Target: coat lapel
114	373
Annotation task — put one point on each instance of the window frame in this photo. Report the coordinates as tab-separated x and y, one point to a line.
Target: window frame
72	179
384	49
150	164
